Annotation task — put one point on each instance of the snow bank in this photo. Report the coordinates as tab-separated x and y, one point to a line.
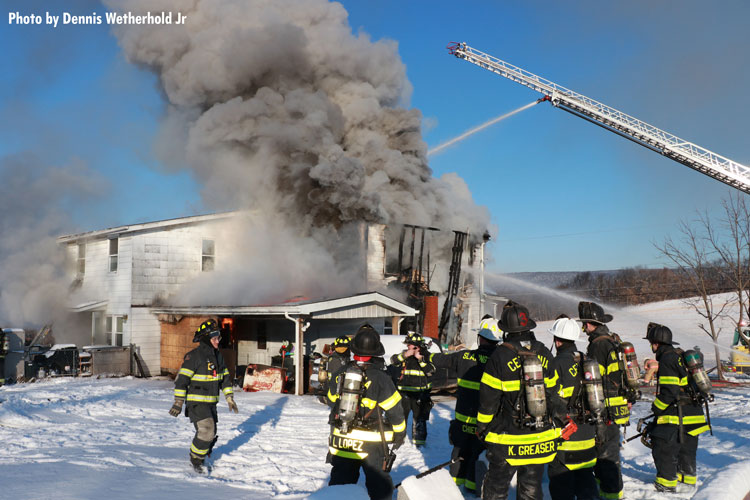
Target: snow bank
729	483
439	484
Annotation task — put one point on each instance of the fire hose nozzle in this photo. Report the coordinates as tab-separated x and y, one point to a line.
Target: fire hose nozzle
545	98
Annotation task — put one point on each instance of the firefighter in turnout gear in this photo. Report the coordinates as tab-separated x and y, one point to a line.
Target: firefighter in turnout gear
603	347
202	376
571	473
4	348
339	357
678	413
365	417
411	369
517	396
468	367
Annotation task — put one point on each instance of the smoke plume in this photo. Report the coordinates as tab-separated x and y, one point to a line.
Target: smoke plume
276	106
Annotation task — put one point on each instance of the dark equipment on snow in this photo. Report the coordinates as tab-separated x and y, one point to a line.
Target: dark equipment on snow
434	469
644	430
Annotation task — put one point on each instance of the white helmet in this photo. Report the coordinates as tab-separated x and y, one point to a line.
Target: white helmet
488	329
565	328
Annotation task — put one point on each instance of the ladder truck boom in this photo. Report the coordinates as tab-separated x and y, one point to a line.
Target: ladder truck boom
669	145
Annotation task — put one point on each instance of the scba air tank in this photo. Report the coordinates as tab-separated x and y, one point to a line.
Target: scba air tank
536	399
592	381
630	365
694	365
351	392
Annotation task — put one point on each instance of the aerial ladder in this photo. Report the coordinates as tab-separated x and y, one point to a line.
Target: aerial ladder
648	136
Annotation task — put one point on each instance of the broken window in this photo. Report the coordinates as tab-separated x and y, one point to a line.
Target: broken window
81	265
208	255
113	249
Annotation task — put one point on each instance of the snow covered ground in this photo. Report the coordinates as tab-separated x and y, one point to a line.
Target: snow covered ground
89	438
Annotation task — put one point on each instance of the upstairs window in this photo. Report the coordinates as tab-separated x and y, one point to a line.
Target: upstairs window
113	249
81	264
208	255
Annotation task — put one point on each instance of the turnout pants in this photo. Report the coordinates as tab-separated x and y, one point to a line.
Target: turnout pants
378	482
468	447
497	480
419	404
607	469
204	418
566	484
675	462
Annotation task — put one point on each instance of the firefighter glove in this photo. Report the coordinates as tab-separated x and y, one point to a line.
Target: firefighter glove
232	404
398	440
176	407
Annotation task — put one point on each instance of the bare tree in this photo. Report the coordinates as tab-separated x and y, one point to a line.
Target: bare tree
696	265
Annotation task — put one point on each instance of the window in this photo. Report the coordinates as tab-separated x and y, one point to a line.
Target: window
81	267
114	327
113	248
208	255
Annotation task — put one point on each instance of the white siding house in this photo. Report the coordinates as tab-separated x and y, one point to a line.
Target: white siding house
120	272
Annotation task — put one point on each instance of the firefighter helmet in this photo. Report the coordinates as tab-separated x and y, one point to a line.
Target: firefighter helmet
659	334
366	342
515	318
565	329
341	344
207	330
591	312
416	339
488	329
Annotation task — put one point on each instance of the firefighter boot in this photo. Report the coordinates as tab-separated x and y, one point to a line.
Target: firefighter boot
665	489
197	464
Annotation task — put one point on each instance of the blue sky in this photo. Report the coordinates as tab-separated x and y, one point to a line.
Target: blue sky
565	194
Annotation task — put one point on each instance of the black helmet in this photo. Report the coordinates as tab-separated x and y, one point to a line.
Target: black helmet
342	341
591	312
416	339
208	329
366	342
515	318
656	333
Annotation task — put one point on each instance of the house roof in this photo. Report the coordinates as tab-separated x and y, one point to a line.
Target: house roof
364	305
145	226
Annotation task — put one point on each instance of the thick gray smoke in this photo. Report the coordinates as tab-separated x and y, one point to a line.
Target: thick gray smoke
35	200
276	106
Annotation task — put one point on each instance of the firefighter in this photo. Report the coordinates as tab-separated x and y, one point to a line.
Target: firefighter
340	355
571	473
357	438
678	413
202	375
4	348
516	429
411	370
603	347
467	367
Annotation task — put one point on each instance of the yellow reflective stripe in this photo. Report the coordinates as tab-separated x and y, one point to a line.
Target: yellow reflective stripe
528	461
694	419
577	445
522	438
432	355
582	465
422	364
459	481
203	399
484	418
671	483
363	435
332	397
610	496
180	393
198	451
411	388
616	401
347	454
673	381
699	430
415	373
185	371
400	357
501	385
471	485
566	392
686	479
389	403
468	384
368	403
660	404
551	381
399	427
622	421
228	390
206	378
465	418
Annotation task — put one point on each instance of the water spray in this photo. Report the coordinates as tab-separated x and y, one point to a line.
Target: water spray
481	127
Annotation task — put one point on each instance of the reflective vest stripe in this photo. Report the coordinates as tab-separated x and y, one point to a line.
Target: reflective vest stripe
566	392
484	418
392	401
583	465
363	435
186	371
468	384
660	404
681	381
399	427
465	418
410	388
347	454
577	445
501	385
528	461
522	438
202	399
180	393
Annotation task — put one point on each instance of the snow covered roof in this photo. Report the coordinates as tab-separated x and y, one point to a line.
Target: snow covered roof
145	226
364	305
